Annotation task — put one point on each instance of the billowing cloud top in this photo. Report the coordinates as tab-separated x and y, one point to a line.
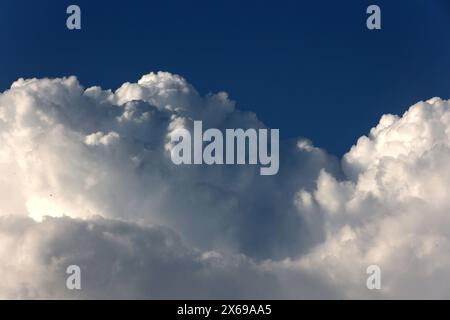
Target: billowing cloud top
86	179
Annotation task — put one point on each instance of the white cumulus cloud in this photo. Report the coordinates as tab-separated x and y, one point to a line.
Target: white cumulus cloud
86	178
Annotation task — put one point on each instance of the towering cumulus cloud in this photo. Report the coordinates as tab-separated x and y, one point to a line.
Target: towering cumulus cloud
86	178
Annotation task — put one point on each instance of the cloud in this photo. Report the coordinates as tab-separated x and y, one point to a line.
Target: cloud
81	152
97	163
392	210
123	261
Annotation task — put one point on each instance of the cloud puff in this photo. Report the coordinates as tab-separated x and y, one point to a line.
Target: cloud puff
393	209
97	162
81	152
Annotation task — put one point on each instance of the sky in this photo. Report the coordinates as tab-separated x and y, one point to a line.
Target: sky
303	67
87	177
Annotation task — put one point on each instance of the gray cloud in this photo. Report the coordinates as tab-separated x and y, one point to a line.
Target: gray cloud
121	260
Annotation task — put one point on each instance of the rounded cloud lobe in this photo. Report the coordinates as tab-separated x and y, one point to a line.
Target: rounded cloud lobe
87	179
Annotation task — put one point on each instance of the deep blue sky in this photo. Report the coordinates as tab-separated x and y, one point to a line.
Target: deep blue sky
309	68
